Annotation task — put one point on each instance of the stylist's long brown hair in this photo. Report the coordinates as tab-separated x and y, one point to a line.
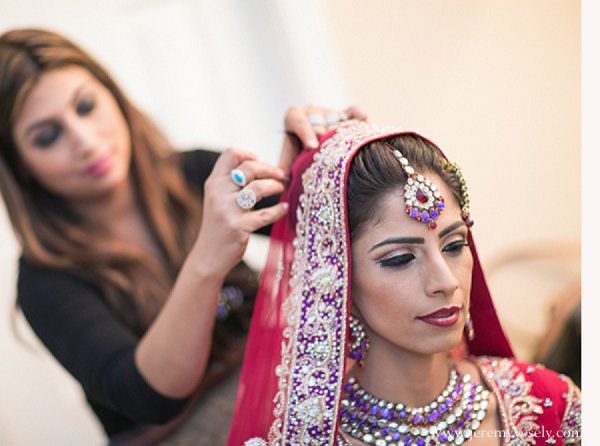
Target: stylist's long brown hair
135	284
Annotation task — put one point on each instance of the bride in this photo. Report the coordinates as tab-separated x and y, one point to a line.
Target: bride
374	324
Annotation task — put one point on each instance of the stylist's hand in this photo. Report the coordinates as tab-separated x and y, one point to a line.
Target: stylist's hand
226	226
303	125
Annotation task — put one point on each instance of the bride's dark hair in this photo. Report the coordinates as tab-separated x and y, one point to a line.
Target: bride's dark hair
375	171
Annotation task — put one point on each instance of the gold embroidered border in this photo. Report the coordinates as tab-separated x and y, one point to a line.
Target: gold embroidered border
296	410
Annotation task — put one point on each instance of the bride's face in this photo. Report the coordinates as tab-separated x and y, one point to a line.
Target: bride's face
411	284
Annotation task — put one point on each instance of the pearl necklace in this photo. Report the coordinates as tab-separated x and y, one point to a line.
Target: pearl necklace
450	419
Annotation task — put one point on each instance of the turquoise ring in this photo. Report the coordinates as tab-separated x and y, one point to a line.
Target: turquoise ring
238	177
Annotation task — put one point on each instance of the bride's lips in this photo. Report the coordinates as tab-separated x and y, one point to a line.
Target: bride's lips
99	167
444	317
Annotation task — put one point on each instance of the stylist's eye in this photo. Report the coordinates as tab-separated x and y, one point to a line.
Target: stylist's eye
398	261
47	136
85	106
455	247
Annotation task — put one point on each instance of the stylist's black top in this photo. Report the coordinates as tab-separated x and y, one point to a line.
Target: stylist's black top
69	314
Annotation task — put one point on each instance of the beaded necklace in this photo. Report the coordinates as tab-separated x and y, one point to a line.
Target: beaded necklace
450	419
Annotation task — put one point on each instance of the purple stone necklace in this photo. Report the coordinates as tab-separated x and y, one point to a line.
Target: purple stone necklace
450	419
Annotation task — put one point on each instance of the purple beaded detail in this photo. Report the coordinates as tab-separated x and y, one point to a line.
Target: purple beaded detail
422	199
312	364
450	419
313	354
358	342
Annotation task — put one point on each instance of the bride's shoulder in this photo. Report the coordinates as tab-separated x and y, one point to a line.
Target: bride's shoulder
508	372
551	397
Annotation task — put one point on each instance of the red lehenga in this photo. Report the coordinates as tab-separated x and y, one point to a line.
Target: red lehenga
295	363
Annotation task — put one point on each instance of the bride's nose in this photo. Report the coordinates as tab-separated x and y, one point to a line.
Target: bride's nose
440	280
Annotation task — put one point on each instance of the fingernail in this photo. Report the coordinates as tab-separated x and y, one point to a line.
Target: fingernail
285	205
313	143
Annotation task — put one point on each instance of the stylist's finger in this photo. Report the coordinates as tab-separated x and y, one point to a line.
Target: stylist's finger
264	188
230	159
255	220
318	118
296	121
252	194
251	170
355	112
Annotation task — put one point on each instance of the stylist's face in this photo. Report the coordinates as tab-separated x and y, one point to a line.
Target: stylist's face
72	136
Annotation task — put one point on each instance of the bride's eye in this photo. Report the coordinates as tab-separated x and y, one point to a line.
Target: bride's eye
397	261
455	247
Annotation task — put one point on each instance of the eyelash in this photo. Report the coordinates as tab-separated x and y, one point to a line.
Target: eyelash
85	106
47	136
397	261
400	261
455	247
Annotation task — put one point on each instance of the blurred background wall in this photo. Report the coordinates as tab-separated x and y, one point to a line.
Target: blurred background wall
495	83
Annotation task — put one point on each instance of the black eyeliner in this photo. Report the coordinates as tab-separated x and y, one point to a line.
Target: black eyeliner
397	261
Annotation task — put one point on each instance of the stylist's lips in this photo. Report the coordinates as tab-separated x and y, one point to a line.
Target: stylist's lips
444	317
100	167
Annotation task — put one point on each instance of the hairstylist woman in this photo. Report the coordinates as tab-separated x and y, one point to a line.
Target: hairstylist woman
126	243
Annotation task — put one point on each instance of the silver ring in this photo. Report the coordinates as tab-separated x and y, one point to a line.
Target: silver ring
238	177
316	120
246	199
333	118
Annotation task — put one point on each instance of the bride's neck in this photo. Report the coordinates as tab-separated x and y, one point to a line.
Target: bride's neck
404	377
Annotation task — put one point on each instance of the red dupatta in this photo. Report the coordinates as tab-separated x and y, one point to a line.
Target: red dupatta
295	358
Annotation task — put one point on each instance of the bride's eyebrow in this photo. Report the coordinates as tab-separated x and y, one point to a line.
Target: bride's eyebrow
451	228
398	240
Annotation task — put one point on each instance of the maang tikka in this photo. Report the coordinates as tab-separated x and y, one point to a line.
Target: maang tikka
422	200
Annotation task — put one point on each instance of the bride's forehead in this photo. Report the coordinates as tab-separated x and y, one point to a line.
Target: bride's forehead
390	207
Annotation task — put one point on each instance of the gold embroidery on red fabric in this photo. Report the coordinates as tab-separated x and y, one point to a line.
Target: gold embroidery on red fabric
522	408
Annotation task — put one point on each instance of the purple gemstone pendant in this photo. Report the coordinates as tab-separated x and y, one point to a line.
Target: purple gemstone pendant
422	200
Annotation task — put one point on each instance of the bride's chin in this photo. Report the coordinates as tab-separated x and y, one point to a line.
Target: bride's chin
442	344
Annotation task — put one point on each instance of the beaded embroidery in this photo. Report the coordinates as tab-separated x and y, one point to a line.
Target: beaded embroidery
313	350
451	419
312	363
522	407
422	200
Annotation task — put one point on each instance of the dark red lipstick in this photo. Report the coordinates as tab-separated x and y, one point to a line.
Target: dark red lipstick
444	317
